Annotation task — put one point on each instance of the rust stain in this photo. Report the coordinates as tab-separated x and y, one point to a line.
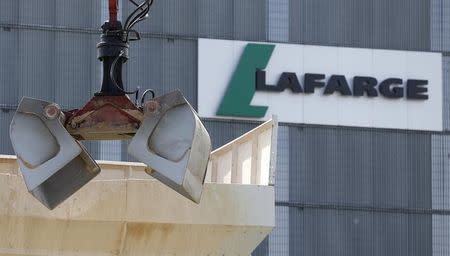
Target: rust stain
136	231
145	231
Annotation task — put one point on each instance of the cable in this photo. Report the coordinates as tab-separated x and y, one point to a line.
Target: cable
133	18
138	15
113	79
145	93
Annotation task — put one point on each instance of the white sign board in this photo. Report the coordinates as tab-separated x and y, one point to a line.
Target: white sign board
320	85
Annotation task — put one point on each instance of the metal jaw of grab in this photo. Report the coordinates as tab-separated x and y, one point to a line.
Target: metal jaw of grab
170	139
166	133
54	165
173	142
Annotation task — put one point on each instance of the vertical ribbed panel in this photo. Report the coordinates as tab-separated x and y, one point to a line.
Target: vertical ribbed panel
330	165
9	11
390	169
110	150
436	25
277	20
57	67
76	69
437	172
317	21
298	231
9	67
419	164
441	235
362	167
420	234
441	172
332	232
250	20
181	17
80	13
446	92
297	25
282	170
5	142
279	238
445	25
402	24
216	18
389	235
36	64
37	12
179	68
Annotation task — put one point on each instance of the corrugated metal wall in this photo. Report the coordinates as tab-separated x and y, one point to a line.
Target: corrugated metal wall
440	25
336	187
446	92
441	171
400	24
277	20
441	193
360	167
5	120
333	232
369	173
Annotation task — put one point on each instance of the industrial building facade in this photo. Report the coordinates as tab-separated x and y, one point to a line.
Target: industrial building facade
340	190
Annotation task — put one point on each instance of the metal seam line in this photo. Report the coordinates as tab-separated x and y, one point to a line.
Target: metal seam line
9	26
300	205
89	31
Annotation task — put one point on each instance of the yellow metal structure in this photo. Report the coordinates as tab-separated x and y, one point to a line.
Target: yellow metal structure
124	211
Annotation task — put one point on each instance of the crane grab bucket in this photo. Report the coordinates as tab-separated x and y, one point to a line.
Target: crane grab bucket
173	142
53	164
167	135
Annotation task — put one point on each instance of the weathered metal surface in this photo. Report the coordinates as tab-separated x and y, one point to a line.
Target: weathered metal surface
124	211
54	165
105	118
174	143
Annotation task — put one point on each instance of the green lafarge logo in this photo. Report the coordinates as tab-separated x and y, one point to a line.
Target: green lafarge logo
241	88
250	76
